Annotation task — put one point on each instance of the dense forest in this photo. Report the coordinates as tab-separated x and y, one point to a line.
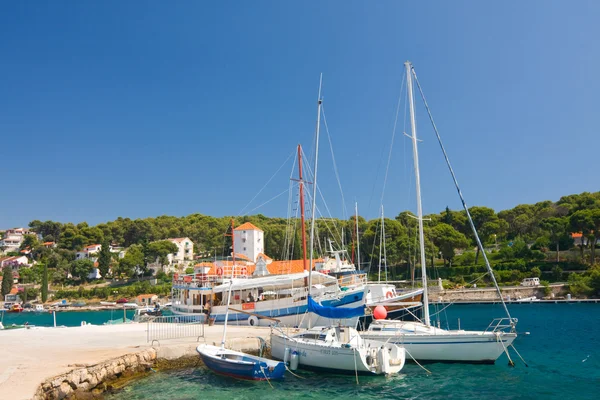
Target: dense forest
527	239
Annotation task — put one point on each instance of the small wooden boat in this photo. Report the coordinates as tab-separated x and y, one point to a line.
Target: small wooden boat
240	365
16	308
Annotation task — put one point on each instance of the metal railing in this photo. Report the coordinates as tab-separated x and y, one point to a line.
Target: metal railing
502	325
175	327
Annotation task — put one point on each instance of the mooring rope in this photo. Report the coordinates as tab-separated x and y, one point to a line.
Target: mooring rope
410	355
515	349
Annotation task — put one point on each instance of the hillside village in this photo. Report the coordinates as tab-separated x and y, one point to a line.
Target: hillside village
555	241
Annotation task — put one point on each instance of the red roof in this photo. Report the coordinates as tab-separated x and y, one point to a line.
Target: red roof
576	235
247	226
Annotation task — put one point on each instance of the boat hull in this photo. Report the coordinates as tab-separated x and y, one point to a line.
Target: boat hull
240	365
481	348
287	312
320	357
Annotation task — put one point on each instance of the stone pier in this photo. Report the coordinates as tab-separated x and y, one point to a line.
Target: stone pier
55	362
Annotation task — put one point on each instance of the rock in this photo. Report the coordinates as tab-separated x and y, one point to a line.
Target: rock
64	390
57	381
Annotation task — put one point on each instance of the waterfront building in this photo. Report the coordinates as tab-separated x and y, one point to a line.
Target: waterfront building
249	241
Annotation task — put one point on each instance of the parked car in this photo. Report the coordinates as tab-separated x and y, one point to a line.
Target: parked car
530	282
122	301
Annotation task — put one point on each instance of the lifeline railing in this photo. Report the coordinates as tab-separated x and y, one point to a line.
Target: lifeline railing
175	327
502	325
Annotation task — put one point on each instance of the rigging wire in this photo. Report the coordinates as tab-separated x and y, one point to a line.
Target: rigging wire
477	239
335	168
264	186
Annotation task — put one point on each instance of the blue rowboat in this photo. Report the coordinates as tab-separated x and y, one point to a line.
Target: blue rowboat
240	365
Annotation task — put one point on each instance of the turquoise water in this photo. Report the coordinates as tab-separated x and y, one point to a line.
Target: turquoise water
65	318
562	350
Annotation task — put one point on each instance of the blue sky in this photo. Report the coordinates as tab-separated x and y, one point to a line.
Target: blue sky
140	109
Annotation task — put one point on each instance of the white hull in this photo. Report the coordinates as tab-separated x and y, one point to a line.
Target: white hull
334	356
429	344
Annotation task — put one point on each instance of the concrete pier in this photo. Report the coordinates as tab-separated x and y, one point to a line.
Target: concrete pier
29	357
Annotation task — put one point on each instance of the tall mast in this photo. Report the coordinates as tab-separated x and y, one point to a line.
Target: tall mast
314	197
302	207
380	245
357	237
413	128
230	286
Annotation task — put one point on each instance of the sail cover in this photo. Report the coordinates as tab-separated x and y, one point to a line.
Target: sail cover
334	312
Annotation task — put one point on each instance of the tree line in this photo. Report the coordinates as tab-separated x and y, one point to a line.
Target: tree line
527	233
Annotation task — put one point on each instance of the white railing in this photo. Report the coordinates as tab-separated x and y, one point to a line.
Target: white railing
502	325
175	327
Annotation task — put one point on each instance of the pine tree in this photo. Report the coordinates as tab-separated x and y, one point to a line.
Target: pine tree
104	259
7	281
45	284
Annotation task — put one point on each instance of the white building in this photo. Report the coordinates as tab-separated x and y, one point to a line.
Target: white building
89	252
13	238
15	262
248	241
185	252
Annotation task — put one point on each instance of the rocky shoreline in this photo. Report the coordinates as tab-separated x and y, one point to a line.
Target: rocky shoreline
92	381
96	378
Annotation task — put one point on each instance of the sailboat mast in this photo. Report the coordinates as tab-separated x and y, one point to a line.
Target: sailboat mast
413	127
230	286
357	237
380	245
314	197
302	208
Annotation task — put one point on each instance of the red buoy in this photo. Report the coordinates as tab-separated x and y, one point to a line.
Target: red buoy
379	312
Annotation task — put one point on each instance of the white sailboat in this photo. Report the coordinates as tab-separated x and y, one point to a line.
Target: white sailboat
422	341
334	348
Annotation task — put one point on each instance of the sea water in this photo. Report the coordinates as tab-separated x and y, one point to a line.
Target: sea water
562	350
65	318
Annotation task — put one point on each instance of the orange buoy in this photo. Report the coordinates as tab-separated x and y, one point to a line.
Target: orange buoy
379	312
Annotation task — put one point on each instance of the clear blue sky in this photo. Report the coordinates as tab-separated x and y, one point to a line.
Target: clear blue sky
137	109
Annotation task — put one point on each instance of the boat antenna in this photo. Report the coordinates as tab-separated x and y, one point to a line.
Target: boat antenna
462	199
230	285
413	127
314	197
380	245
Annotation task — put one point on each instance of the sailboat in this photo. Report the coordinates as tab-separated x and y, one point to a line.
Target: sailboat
334	348
235	363
422	341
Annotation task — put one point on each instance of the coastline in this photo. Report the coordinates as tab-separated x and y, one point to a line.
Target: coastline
56	362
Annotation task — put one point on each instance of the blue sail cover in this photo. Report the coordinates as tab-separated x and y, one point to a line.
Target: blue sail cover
334	312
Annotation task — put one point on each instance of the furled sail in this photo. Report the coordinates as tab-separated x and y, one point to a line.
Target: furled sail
334	312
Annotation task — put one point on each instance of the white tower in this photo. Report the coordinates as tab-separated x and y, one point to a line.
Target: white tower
249	241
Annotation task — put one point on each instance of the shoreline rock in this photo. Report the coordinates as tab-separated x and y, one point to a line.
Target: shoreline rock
96	378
